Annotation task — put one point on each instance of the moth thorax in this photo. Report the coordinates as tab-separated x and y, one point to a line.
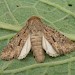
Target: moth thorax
34	29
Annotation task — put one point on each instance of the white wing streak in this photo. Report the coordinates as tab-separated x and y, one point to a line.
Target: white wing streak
48	47
26	48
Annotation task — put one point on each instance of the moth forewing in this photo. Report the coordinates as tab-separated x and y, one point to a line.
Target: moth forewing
60	43
26	48
14	47
48	48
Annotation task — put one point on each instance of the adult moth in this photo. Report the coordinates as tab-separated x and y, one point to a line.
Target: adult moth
37	37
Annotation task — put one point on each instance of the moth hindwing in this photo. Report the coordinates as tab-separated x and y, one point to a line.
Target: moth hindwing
37	37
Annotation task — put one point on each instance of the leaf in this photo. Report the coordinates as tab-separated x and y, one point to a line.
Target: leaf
59	14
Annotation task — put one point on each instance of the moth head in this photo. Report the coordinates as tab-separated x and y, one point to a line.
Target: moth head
34	24
33	19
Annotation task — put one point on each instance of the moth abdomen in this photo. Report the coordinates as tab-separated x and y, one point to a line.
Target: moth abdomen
36	42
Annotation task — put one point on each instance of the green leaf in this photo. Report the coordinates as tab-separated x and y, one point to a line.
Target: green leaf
59	14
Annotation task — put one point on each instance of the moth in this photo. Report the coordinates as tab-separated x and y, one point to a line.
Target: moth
39	38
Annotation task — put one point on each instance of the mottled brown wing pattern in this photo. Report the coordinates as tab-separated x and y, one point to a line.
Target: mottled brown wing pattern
60	43
13	49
